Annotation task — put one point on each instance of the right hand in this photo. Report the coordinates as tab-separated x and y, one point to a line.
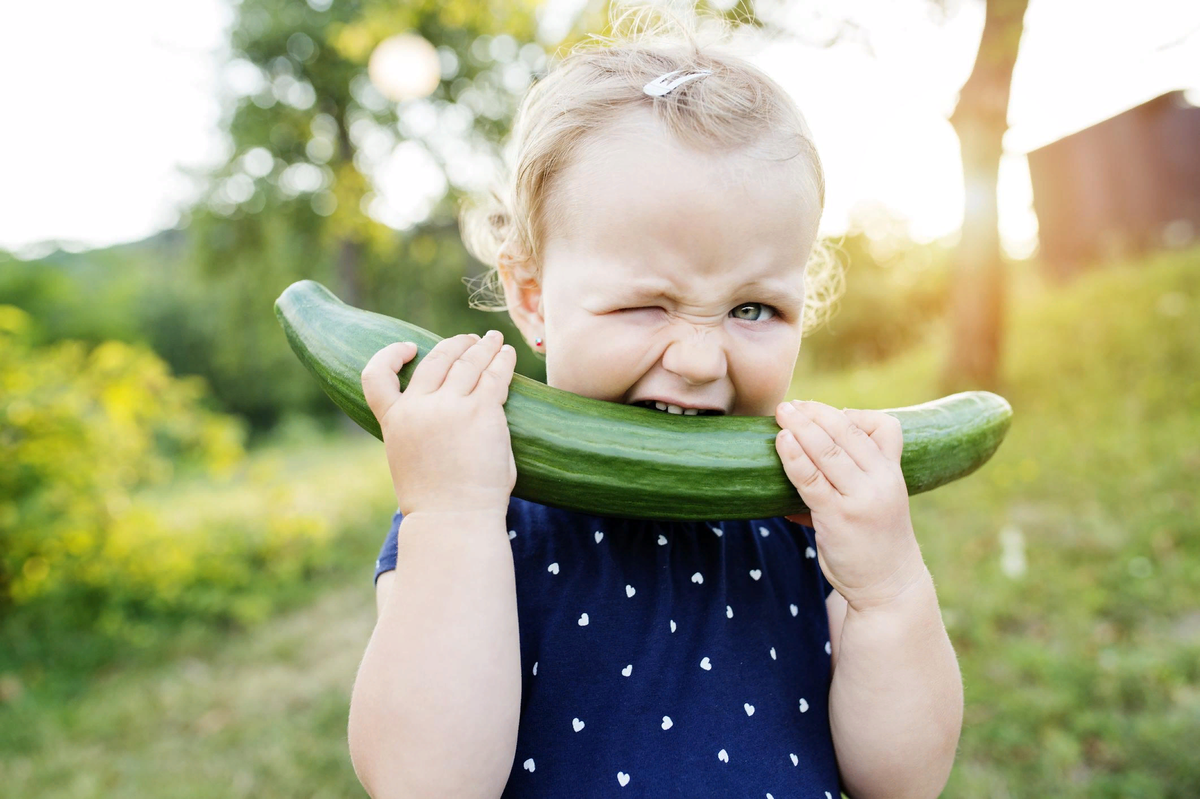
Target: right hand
446	436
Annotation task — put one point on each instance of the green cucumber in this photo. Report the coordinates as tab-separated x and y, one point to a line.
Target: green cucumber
610	459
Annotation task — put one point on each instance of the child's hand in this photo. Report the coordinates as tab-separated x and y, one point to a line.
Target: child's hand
446	436
846	466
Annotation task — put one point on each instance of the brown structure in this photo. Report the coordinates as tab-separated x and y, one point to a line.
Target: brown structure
1127	185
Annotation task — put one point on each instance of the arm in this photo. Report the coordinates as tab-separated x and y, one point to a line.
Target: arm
896	701
436	702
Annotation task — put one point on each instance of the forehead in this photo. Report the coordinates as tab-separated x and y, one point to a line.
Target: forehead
637	198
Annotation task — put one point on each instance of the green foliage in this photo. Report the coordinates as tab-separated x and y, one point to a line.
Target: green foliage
1068	568
895	295
294	199
85	432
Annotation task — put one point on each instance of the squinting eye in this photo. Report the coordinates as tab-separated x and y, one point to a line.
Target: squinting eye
760	305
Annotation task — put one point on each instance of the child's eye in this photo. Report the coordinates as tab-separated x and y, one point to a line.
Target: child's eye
754	304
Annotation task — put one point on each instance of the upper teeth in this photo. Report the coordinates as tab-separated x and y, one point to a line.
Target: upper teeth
662	406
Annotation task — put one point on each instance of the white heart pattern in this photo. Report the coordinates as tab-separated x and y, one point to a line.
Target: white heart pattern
672	625
552	568
794	609
698	578
627	670
704	664
622	778
749	709
723	756
529	765
512	534
599	536
667	723
810	552
828	795
630	590
772	653
795	760
583	620
803	705
755	574
718	531
764	532
728	612
828	649
577	724
535	668
662	540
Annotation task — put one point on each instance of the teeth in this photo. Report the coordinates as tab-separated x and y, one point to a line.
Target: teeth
675	409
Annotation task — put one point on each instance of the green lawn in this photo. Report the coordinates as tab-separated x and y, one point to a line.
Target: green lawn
1068	570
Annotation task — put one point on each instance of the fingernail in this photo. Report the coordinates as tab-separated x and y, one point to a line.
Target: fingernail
786	407
493	334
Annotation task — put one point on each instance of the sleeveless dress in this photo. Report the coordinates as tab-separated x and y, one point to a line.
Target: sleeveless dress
664	658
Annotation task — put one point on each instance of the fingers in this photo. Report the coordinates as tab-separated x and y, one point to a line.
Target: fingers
381	385
845	433
496	378
819	447
814	488
464	373
883	428
431	372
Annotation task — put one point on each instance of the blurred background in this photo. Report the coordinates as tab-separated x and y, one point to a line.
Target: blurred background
188	525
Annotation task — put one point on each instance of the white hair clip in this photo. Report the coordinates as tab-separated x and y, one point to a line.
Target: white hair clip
659	86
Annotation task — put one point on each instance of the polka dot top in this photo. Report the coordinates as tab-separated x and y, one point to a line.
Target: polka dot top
665	658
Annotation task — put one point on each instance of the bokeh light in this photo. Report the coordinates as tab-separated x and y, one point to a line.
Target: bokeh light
405	67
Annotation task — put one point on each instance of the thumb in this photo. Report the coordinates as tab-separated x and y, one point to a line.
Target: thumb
381	385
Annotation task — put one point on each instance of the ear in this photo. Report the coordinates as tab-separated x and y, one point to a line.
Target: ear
523	295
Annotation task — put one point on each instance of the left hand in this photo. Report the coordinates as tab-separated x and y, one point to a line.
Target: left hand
846	466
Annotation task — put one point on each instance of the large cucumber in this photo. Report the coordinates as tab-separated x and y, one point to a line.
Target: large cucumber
611	459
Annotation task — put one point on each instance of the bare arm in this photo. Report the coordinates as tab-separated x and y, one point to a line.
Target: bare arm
437	699
896	702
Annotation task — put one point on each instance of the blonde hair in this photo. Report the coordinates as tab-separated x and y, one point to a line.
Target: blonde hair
583	93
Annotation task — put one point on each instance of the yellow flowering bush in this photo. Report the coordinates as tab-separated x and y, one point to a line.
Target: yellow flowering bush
84	432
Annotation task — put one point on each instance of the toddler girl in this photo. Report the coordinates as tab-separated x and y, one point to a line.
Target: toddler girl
656	248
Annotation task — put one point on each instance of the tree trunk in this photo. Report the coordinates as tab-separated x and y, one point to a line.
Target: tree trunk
980	120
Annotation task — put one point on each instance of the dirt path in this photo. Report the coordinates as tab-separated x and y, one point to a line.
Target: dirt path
263	716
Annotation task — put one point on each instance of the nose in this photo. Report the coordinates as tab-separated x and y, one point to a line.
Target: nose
697	357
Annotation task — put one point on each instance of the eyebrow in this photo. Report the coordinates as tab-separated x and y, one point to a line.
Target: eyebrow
771	292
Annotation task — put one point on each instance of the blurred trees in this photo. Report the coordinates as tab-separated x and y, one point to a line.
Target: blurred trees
295	198
81	428
980	119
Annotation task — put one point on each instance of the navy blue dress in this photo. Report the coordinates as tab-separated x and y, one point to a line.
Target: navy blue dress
665	658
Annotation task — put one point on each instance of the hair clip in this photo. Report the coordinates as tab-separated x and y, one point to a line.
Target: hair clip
659	86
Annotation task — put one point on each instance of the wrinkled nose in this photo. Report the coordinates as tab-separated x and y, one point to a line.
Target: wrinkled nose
698	359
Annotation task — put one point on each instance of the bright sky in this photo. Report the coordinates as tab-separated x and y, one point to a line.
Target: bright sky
86	161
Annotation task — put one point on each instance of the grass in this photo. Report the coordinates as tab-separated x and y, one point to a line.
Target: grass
1068	571
1068	568
221	710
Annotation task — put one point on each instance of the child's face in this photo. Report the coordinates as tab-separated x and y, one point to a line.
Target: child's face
645	214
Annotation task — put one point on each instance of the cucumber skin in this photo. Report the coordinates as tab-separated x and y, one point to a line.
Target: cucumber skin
609	459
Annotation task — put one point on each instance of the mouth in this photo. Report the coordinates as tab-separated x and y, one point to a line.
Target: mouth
675	409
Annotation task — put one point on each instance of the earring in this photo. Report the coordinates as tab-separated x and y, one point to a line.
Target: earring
537	342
